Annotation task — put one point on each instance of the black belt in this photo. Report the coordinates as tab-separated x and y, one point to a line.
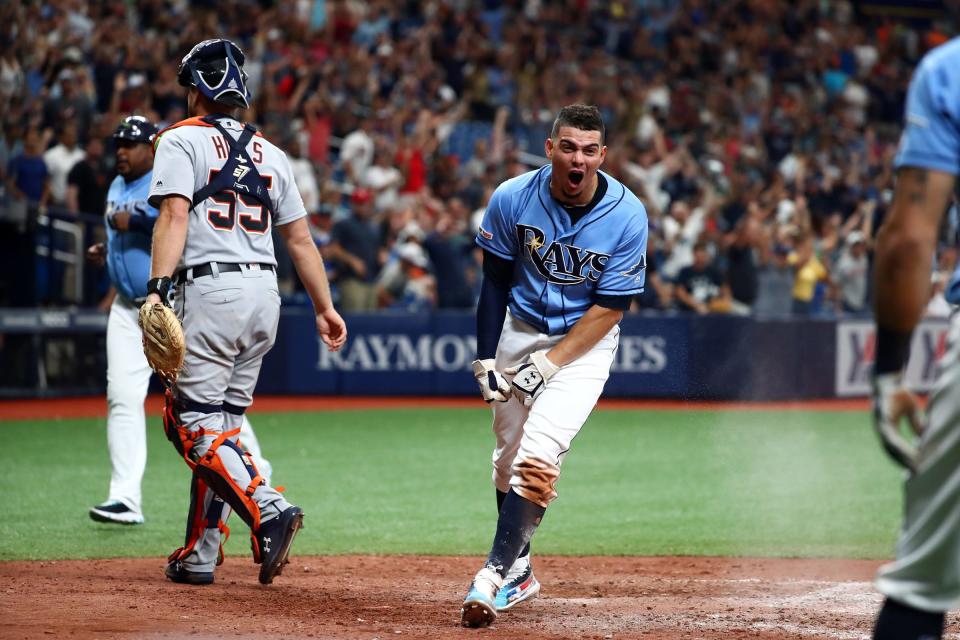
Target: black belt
222	267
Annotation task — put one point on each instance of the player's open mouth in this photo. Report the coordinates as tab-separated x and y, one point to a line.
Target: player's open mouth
575	178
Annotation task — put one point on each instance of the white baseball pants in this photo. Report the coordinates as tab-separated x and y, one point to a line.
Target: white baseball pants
545	430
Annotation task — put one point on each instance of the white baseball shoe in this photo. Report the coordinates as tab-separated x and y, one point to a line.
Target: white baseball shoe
478	608
519	585
116	512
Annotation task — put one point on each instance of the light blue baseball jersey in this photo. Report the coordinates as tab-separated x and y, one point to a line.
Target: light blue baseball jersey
931	134
952	291
559	267
128	252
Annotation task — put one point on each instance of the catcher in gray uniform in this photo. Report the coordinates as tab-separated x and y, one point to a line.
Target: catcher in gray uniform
220	187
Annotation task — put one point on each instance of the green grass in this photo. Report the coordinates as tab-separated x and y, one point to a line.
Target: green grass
418	482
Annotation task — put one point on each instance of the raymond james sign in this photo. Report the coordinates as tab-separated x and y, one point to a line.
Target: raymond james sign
641	354
448	352
855	354
401	352
430	354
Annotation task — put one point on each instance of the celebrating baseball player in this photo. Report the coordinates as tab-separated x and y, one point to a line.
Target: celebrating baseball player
924	581
129	224
563	254
220	186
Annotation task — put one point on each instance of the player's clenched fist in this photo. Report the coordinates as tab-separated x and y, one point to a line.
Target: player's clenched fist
493	386
892	403
530	378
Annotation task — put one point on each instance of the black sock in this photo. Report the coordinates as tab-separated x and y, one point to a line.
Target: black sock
902	622
518	520
500	497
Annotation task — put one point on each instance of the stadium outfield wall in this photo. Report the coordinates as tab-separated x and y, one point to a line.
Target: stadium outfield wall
706	358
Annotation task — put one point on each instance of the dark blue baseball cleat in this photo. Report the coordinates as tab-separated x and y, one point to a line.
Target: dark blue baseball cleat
178	573
274	539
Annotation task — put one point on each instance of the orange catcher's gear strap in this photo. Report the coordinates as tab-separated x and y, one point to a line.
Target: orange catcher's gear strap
183	439
198	521
212	473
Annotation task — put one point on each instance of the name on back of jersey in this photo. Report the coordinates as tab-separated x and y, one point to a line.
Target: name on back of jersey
564	264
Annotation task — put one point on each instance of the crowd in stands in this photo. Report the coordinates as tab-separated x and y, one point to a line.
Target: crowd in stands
758	133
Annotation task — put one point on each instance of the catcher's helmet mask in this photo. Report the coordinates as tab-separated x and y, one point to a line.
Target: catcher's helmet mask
136	129
215	68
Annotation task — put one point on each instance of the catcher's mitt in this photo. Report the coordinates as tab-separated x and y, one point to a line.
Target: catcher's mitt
163	342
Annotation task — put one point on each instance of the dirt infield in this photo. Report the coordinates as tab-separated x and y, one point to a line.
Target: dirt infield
382	597
96	406
418	597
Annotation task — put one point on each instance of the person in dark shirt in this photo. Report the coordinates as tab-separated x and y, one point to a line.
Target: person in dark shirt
355	245
27	175
742	261
70	106
701	287
28	186
87	182
450	249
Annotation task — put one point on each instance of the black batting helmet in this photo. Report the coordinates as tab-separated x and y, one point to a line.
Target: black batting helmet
136	129
215	67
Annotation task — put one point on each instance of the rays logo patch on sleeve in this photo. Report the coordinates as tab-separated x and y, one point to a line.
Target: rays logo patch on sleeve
486	234
636	271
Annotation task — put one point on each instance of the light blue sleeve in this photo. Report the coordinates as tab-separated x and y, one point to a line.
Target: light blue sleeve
497	233
626	270
931	136
113	193
148	210
952	290
143	192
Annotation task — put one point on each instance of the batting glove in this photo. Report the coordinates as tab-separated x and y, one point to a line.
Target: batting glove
530	378
891	403
493	386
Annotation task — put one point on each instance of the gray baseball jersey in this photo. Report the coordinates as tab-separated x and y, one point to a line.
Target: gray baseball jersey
226	227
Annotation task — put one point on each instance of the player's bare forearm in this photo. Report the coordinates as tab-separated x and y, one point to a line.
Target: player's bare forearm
308	263
169	236
584	335
905	246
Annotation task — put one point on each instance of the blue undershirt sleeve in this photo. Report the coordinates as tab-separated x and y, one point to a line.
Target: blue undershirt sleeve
492	307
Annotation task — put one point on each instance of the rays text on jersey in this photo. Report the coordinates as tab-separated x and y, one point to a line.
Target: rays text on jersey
560	263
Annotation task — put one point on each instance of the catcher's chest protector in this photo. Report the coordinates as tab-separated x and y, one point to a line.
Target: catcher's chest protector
239	174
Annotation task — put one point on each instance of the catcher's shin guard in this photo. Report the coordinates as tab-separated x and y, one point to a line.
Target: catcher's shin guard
207	514
214	467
